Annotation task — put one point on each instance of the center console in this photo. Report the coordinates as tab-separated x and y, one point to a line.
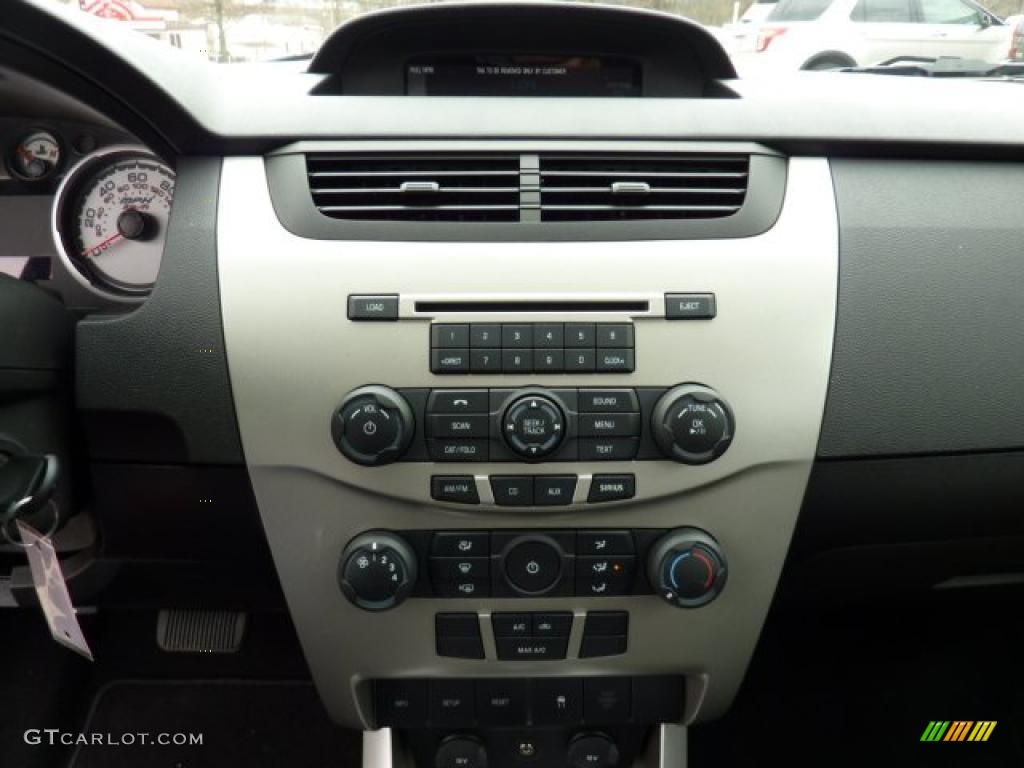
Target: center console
528	496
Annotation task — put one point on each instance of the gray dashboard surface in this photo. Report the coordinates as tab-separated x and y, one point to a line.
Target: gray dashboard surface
929	349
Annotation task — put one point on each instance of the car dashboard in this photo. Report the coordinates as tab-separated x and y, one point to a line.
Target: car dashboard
536	352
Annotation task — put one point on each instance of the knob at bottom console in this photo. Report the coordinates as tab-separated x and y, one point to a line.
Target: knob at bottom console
593	750
461	752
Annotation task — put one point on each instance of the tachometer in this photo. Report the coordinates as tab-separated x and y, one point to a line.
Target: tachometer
110	220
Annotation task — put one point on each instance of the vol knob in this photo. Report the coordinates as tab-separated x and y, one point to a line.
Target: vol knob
373	426
692	425
687	568
377	570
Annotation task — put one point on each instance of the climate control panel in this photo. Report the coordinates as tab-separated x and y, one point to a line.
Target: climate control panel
379	569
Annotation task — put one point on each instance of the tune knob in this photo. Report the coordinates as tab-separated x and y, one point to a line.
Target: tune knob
593	750
692	424
534	426
377	571
373	426
687	568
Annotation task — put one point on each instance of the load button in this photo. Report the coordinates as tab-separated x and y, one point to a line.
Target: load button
612	488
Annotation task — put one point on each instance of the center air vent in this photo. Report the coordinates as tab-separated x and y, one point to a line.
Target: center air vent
396	187
644	186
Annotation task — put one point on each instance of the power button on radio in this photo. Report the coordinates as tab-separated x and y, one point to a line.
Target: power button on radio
373	426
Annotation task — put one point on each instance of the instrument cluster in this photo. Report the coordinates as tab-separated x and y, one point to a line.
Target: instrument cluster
109	208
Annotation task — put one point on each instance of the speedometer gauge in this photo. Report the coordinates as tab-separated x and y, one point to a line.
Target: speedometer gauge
110	220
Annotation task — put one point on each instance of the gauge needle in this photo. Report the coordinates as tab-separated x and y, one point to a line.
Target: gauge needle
112	239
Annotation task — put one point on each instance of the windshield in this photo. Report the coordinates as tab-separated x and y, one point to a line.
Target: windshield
853	33
798	10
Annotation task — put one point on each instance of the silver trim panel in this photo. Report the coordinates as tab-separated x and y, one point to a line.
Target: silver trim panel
293	354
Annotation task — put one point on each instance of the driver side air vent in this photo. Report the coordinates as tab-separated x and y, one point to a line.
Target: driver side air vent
616	187
398	187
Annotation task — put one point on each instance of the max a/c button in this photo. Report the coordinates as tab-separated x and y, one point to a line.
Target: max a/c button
612	488
526	649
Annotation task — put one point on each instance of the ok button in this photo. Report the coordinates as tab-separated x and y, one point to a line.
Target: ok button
533	564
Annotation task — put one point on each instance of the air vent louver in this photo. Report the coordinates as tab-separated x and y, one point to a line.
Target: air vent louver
635	187
396	187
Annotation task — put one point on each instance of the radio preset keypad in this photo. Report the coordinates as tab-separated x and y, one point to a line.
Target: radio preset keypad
532	348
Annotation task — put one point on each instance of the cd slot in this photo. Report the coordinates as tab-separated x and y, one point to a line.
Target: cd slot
533	306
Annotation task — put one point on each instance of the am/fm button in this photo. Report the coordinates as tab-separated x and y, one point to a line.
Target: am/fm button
612	488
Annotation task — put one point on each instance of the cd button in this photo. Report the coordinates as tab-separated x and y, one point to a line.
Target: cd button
512	491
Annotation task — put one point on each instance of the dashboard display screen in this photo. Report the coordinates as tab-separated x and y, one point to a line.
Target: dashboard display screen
522	75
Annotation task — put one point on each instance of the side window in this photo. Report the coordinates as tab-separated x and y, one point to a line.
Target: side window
949	12
882	11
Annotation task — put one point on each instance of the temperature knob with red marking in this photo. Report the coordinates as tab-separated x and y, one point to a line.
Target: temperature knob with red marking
687	568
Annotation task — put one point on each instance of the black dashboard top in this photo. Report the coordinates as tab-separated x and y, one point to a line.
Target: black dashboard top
172	102
505	49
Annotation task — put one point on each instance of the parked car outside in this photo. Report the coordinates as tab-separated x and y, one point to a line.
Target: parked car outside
828	34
